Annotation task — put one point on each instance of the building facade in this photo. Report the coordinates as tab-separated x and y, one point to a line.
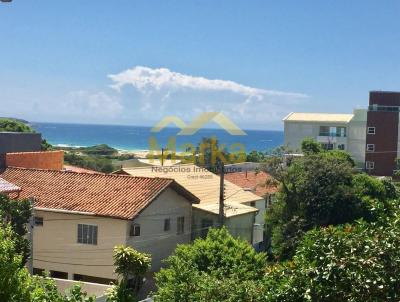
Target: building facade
382	142
79	219
371	136
244	211
334	131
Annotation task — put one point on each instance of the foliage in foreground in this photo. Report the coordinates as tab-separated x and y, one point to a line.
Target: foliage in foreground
318	190
16	214
17	285
351	262
128	263
209	269
359	262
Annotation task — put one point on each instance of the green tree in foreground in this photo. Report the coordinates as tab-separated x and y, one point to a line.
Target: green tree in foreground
16	214
310	146
317	190
351	262
359	262
16	285
14	280
211	269
128	263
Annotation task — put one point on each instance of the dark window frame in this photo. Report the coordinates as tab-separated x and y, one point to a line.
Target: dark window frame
135	230
180	225
370	147
38	221
167	224
371	132
87	234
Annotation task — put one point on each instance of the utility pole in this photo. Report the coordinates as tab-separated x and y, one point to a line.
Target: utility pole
162	156
31	226
221	195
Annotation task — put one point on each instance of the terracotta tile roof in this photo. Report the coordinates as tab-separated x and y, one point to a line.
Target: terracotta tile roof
257	182
114	196
6	187
204	184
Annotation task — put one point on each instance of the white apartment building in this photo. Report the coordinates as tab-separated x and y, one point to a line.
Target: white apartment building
334	131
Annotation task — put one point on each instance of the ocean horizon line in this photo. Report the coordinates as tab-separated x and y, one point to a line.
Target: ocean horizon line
144	126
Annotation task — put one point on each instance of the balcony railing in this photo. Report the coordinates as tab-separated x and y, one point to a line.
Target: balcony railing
332	134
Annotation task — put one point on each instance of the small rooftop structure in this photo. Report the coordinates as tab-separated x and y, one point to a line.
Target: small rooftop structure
318	117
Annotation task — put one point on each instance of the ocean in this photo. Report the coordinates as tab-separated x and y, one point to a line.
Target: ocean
136	138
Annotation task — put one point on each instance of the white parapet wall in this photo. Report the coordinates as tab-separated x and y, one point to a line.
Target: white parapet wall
95	289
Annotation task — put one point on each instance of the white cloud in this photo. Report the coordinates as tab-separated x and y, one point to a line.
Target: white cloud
93	104
159	92
147	79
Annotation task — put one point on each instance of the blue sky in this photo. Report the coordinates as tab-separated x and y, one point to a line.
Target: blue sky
131	62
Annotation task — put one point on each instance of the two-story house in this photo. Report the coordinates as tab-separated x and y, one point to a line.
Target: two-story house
80	217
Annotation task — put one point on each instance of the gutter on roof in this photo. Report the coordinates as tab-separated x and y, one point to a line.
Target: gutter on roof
64	211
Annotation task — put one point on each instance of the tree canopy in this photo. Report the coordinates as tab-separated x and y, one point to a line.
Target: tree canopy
15	214
196	271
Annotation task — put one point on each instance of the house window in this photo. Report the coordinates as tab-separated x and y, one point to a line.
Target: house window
87	234
38	221
59	275
370	147
369	165
327	146
135	230
180	225
341	146
371	130
167	224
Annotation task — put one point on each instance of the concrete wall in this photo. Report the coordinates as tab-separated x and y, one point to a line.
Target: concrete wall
357	136
51	160
295	132
239	226
95	289
55	244
153	239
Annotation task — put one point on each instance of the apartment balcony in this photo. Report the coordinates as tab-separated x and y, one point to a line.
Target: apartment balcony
331	138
